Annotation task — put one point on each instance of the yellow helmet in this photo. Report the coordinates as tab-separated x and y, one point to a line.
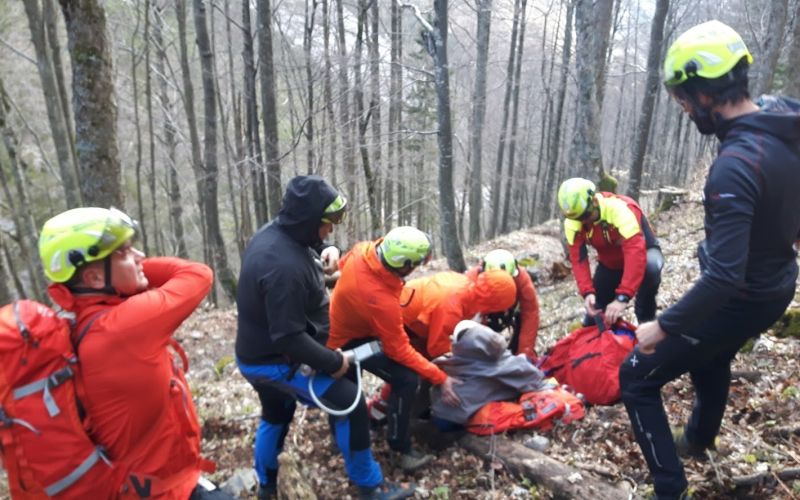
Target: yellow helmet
79	236
405	245
575	197
501	259
709	50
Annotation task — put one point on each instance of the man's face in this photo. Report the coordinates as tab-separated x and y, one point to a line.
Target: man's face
325	229
127	274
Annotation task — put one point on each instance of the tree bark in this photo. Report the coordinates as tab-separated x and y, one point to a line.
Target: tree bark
268	106
209	196
348	154
59	127
792	87
137	163
767	62
174	195
498	174
94	103
484	26
363	122
375	108
512	146
252	134
563	480
651	87
435	38
309	129
328	90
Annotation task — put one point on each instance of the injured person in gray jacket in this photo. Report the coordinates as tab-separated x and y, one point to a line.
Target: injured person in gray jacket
487	371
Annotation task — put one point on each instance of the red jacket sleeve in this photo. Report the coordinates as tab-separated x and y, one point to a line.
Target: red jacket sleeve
529	312
387	323
580	264
635	255
177	287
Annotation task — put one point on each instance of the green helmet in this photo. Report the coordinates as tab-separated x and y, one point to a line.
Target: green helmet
575	197
80	236
501	259
335	212
709	50
405	245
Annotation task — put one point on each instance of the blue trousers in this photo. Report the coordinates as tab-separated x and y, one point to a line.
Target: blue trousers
706	353
279	389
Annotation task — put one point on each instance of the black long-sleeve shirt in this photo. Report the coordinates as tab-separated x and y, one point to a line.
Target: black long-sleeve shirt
752	215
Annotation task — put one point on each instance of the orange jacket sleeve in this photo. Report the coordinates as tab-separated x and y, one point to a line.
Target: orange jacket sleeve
387	323
443	321
177	287
529	312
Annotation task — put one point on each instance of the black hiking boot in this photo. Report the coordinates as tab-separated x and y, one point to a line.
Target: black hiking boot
687	449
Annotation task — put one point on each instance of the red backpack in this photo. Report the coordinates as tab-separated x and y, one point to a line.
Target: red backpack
588	360
540	410
45	449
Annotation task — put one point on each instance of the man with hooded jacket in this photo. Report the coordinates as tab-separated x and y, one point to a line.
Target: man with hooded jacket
283	324
748	262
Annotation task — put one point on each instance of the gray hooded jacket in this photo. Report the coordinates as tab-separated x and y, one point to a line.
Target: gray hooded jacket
487	370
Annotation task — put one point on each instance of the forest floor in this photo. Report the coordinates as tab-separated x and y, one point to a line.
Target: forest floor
751	439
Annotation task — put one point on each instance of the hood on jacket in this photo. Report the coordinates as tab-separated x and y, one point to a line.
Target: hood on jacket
479	342
303	206
779	116
493	291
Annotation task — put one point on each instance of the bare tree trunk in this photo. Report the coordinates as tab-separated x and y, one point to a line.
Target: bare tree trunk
498	177
394	180
94	103
170	130
307	33
328	90
151	136
484	26
363	122
375	108
137	164
603	15
268	106
191	121
348	156
6	297
435	38
792	87
59	127
763	72
251	113
208	196
554	172
585	151
50	21
512	147
651	88
27	233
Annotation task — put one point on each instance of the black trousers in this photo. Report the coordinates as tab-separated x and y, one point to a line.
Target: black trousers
404	382
607	280
706	353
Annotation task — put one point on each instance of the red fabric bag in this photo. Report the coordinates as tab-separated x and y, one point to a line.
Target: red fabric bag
588	360
541	410
45	449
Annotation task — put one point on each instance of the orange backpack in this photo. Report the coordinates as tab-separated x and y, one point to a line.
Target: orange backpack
45	449
541	410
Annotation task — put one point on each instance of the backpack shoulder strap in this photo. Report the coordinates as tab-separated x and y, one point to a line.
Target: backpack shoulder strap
77	342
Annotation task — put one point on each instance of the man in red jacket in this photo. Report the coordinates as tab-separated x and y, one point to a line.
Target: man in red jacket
523	315
138	404
629	260
366	305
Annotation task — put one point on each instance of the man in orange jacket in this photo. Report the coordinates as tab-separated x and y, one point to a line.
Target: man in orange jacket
366	305
433	305
523	315
629	260
132	387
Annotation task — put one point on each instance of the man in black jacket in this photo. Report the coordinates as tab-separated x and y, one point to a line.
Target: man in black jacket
748	261
282	328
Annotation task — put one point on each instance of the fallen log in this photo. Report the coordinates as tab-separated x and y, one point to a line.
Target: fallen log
563	480
767	477
781	432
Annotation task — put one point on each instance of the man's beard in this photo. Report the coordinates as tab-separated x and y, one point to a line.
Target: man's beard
703	120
